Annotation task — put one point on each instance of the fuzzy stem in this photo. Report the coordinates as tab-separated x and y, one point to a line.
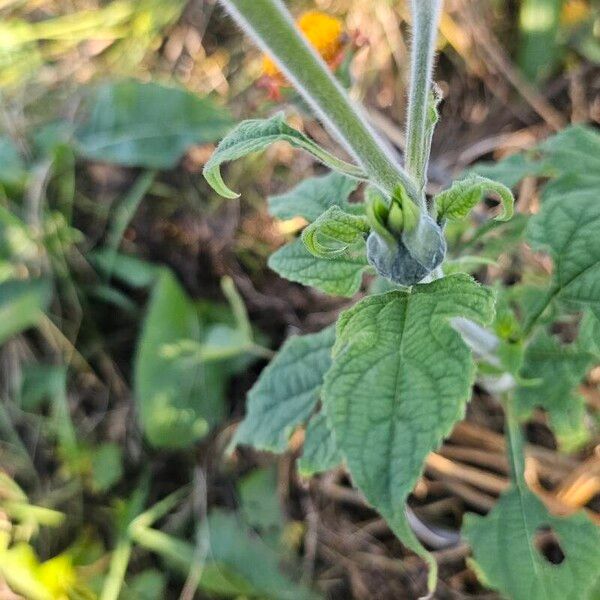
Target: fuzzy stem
271	26
425	18
514	443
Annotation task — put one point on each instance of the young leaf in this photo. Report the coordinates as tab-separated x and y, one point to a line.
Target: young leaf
340	276
320	452
314	196
256	134
457	202
148	124
334	232
567	226
399	381
286	392
506	557
552	372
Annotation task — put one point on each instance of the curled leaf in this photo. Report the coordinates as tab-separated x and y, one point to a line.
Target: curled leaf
334	232
256	134
456	202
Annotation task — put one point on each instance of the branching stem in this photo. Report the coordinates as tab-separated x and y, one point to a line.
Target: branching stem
271	26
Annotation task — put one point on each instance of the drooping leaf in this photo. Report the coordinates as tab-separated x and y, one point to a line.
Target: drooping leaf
13	172
457	202
334	233
178	400
552	371
286	392
507	559
320	452
400	379
312	197
148	124
256	134
567	226
22	303
340	276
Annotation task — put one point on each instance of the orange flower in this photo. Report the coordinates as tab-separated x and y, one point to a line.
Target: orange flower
323	32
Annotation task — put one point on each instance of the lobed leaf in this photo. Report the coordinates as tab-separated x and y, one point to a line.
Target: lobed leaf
286	392
334	232
399	381
341	276
457	202
507	559
256	134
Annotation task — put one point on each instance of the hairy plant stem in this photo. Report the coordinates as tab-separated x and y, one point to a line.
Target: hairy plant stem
272	28
425	18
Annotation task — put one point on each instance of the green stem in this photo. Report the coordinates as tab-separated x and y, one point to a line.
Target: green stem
514	443
425	15
271	26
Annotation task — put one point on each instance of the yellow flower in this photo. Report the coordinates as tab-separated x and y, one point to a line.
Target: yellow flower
324	33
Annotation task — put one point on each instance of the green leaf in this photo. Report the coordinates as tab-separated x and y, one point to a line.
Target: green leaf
457	202
256	134
148	124
314	196
22	303
13	172
107	466
286	392
260	503
400	379
334	232
178	401
507	559
567	226
573	151
341	276
553	371
320	451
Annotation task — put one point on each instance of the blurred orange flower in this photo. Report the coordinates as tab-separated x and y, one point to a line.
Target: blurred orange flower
324	32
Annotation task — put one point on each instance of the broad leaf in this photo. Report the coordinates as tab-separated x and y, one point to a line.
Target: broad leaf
286	392
508	560
334	233
552	371
320	452
257	134
341	276
400	379
457	202
314	196
148	124
22	303
567	226
178	400
575	150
